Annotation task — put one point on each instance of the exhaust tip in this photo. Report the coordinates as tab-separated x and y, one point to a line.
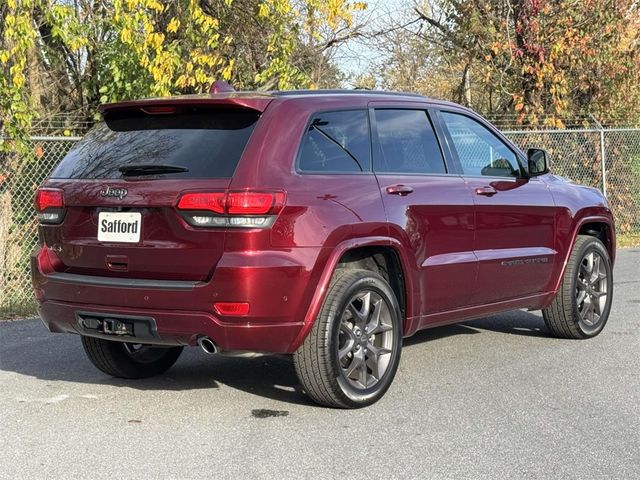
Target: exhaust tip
208	345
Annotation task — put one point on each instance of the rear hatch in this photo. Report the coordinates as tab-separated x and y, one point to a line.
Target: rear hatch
122	182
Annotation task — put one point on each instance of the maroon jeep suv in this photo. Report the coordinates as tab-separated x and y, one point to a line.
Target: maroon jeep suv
323	224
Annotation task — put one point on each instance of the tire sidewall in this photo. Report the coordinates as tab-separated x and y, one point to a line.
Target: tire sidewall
351	395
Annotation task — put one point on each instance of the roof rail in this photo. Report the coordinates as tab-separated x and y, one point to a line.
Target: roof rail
286	93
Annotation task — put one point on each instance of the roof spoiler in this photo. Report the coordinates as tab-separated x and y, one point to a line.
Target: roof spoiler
169	105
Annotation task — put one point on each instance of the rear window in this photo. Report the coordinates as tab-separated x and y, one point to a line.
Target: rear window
209	143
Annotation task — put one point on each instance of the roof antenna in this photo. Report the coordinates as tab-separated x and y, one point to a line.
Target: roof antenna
220	86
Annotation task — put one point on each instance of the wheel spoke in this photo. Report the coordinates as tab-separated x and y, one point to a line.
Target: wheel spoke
374	321
362	372
361	315
366	305
595	301
377	323
589	264
356	363
582	294
584	272
344	351
346	329
589	311
373	359
596	269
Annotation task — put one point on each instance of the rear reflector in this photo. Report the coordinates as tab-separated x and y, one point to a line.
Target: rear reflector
231	309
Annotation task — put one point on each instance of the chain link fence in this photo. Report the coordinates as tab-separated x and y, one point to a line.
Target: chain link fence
608	159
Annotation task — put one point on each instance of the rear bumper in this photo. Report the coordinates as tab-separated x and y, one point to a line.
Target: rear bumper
172	327
276	285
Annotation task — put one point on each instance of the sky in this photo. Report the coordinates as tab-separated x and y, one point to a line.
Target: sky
355	56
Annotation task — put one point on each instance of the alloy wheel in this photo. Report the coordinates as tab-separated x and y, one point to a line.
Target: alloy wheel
365	339
591	290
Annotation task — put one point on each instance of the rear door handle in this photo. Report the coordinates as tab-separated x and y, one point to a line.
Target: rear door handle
487	191
401	190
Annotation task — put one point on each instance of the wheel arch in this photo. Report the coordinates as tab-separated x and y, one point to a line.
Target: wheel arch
601	227
383	255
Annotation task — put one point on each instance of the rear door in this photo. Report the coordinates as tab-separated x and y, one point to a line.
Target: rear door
515	216
432	208
126	223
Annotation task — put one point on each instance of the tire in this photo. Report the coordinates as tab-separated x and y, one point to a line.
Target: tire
581	307
126	360
336	362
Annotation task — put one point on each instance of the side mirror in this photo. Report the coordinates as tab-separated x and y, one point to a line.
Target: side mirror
537	162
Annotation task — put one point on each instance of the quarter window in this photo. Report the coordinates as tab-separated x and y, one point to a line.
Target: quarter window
337	142
480	152
408	143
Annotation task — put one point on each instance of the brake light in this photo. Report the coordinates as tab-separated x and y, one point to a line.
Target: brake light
48	198
213	202
159	109
232	309
49	204
254	203
245	208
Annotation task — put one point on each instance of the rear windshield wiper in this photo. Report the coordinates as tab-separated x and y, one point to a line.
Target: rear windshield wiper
150	169
316	124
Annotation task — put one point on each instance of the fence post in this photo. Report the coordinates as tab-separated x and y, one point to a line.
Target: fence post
603	163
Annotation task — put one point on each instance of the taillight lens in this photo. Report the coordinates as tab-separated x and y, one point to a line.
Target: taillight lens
254	203
245	208
212	202
49	203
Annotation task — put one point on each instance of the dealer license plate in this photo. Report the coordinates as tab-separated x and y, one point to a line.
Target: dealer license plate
119	227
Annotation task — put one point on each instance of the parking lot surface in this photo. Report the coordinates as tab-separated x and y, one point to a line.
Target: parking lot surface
492	398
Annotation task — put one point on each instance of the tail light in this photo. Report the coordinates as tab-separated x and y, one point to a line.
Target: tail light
213	202
49	203
248	209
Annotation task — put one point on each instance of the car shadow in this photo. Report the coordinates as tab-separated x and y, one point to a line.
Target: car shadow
517	322
26	348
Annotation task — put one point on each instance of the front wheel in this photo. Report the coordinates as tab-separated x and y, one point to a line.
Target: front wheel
129	360
582	304
351	355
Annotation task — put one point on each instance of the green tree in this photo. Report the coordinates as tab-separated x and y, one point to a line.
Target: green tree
67	56
539	59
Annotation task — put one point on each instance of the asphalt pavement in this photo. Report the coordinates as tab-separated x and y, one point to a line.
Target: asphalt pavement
494	398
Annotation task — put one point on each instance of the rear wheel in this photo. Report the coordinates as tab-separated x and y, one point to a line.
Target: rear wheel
129	360
582	304
351	355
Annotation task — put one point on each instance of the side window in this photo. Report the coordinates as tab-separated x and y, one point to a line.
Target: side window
479	150
408	143
337	142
